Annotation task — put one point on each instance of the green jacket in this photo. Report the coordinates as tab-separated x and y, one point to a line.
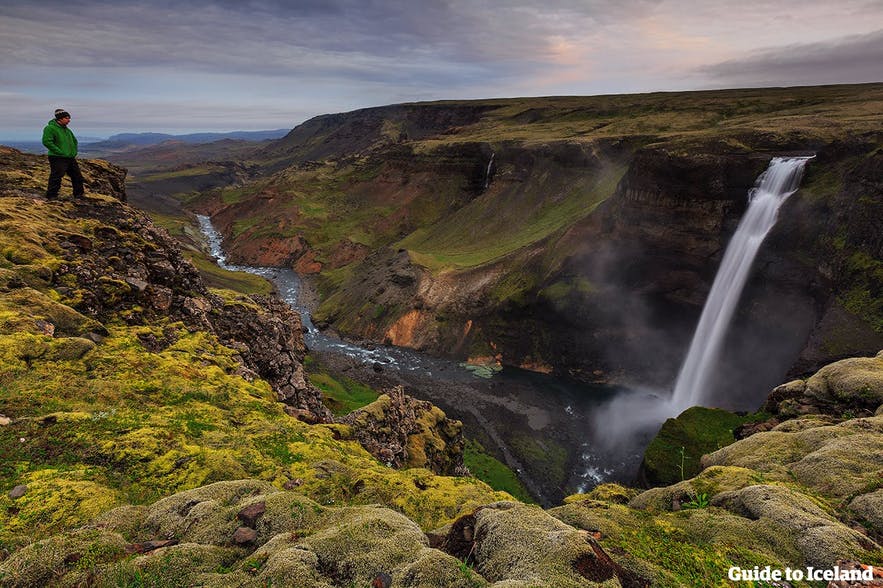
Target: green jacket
59	140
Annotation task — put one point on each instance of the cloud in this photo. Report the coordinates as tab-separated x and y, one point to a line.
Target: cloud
852	59
319	56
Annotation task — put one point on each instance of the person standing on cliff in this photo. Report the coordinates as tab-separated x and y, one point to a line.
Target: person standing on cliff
62	146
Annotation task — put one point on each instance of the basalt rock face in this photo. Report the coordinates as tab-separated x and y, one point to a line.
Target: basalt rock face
271	339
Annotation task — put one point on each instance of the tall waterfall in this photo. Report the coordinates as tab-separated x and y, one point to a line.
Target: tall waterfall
773	187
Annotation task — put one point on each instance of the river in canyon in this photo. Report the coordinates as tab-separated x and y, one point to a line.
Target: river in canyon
538	425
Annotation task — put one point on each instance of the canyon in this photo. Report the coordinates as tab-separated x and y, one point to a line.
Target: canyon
577	236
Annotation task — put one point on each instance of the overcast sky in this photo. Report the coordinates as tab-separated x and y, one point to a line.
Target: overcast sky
173	66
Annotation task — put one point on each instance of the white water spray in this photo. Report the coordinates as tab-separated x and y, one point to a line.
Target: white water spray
773	187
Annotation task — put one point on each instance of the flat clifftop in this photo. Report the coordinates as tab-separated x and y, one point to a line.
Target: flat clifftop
759	116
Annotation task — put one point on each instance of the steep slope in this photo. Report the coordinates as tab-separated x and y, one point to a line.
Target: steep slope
577	235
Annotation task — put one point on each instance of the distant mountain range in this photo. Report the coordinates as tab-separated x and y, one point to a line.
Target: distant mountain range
124	141
144	139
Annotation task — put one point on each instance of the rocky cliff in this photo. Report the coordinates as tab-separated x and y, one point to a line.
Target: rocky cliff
578	235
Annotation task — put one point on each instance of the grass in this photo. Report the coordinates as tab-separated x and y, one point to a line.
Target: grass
493	226
342	395
217	277
493	472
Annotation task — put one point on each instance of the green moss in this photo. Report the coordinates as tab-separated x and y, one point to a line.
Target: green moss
139	425
493	472
864	298
687	548
341	394
549	457
608	492
21	308
674	453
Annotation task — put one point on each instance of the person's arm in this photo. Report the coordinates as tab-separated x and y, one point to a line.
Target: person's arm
50	141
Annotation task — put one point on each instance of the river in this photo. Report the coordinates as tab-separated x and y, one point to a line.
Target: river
540	426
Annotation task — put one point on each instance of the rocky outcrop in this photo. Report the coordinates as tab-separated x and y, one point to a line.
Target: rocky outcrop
268	334
402	431
121	265
851	387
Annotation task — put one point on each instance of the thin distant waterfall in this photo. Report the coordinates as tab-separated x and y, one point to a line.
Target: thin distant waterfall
487	173
773	187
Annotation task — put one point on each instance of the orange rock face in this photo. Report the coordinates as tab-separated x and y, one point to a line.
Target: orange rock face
403	333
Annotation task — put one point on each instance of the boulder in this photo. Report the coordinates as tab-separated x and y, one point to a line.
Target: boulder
869	507
820	537
836	461
513	544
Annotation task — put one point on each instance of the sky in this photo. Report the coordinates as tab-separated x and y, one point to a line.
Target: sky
217	65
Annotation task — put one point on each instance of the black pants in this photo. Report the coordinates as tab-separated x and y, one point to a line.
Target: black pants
58	167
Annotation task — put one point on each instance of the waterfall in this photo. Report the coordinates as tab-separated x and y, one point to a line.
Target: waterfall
773	187
487	173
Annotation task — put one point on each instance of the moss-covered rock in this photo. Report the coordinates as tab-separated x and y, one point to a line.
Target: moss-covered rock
520	545
851	382
78	554
55	500
837	461
844	389
692	547
707	484
821	539
674	454
29	310
869	508
403	431
608	492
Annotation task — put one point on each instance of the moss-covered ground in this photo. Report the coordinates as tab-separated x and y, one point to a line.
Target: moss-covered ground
96	423
492	471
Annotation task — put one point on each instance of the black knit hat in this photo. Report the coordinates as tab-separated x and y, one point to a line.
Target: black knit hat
61	113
